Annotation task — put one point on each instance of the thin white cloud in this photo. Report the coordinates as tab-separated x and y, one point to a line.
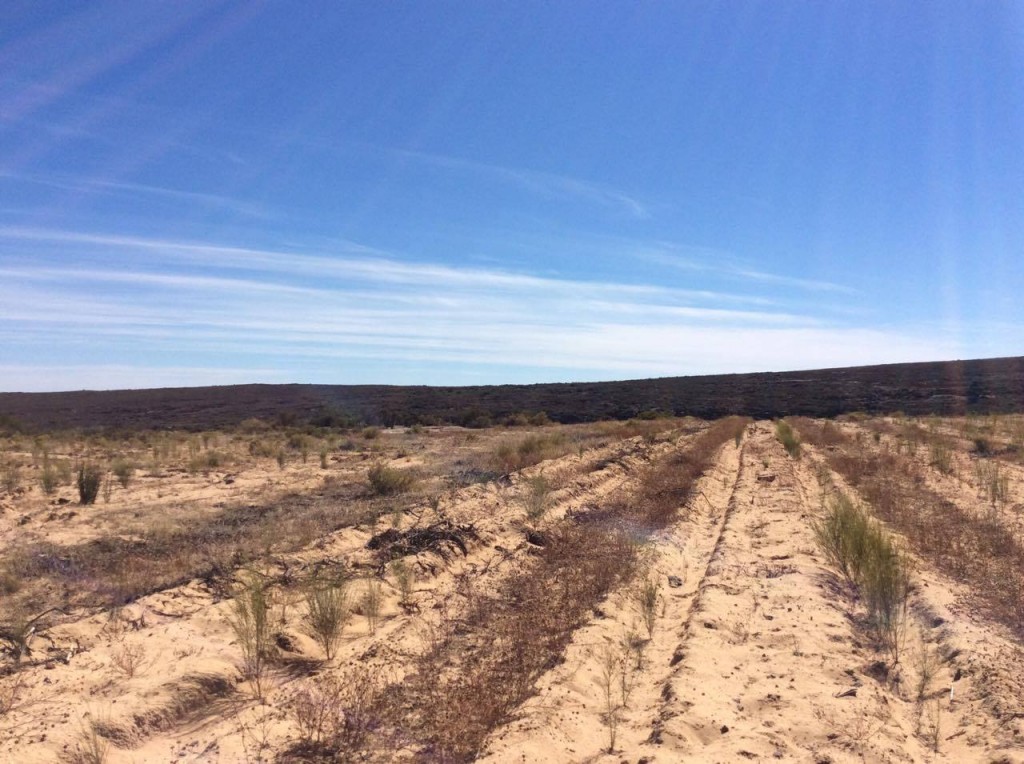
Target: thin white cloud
811	284
190	303
545	184
87	185
57	377
709	260
355	261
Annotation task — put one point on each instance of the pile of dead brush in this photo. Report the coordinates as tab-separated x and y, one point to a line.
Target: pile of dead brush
443	539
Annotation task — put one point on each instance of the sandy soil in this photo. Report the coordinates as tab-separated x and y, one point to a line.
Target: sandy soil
755	651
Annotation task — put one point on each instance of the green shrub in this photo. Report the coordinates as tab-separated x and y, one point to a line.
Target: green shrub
123	471
536	497
842	536
263	448
90	477
206	461
788	438
511	456
886	587
48	477
327	612
250	620
868	556
386	481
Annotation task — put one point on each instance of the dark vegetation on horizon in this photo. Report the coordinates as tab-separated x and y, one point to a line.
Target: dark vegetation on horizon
945	388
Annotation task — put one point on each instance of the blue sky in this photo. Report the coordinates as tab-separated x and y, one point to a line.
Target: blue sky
484	192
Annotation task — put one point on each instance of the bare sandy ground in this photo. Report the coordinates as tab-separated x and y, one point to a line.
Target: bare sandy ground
756	655
755	651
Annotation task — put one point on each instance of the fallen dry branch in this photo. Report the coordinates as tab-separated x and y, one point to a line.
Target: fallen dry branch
442	539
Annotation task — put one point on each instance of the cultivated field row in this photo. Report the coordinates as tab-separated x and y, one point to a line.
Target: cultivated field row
671	596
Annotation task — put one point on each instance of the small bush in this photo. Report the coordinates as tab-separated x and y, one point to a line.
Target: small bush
206	461
371	603
337	716
124	471
10	477
371	433
512	456
788	438
994	484
868	556
327	612
404	579
536	497
250	620
89	746
90	477
49	479
387	481
842	536
940	456
648	594
886	587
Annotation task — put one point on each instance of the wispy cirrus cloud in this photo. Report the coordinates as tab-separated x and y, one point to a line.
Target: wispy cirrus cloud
544	184
91	185
708	259
187	303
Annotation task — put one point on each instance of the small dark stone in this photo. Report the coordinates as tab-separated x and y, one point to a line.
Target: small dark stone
675	582
535	537
285	642
723	729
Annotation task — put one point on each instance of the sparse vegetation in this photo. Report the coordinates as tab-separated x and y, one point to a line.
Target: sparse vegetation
337	716
468	609
90	478
514	455
388	481
371	602
536	496
788	438
979	550
327	611
124	471
10	476
648	595
89	747
250	622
